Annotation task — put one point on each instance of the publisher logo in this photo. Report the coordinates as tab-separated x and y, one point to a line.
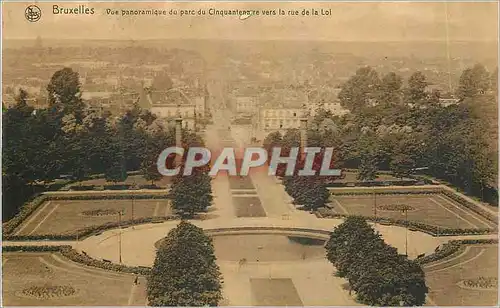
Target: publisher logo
33	13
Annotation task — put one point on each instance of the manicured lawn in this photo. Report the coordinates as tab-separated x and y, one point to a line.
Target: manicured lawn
248	207
444	278
436	209
274	292
93	287
62	216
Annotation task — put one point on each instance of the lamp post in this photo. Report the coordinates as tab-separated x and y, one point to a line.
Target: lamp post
406	231
132	207
120	236
375	206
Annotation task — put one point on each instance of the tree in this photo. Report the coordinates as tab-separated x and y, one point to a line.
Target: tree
271	141
494	81
192	194
375	270
184	272
368	156
473	81
390	93
360	89
64	93
116	170
155	144
416	93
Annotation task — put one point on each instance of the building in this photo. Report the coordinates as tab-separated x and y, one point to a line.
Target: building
326	100
246	105
171	104
282	110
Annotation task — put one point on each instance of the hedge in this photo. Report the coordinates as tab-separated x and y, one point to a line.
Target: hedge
452	247
77	257
104	196
471	206
28	208
88	231
417	226
388	191
70	253
48	248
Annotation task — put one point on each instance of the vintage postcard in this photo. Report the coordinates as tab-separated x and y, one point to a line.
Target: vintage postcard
249	153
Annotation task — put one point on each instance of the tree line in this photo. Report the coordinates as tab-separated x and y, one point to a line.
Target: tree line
406	127
70	138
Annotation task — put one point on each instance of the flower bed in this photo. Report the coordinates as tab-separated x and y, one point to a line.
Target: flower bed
395	207
100	212
48	291
481	283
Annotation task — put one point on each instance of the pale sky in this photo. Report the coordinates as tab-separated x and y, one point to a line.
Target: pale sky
390	21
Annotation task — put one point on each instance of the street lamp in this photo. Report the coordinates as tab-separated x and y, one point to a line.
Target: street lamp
120	236
406	231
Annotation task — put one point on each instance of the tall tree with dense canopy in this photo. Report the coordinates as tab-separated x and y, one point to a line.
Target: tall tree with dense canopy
473	81
184	272
64	93
360	89
375	271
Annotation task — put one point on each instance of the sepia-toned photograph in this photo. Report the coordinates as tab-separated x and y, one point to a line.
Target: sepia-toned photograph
249	153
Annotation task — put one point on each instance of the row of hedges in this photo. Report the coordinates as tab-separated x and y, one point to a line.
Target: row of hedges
28	208
431	190
412	225
88	231
388	191
451	248
75	256
128	196
45	248
379	183
470	205
68	252
94	177
113	187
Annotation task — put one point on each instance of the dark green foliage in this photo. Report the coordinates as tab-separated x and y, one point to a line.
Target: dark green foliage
67	138
375	270
192	194
184	272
